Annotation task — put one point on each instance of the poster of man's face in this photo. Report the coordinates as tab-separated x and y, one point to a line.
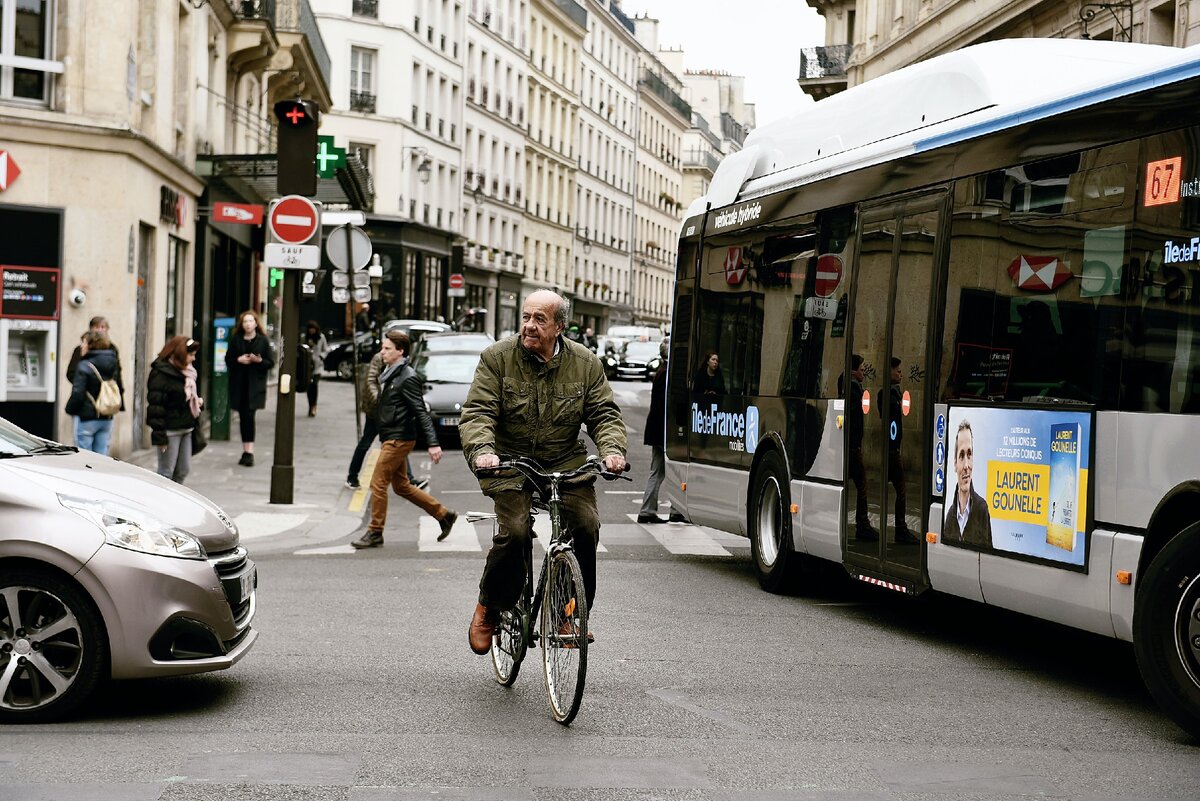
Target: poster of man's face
964	458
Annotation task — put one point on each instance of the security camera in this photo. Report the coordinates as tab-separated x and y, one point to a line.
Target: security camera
77	297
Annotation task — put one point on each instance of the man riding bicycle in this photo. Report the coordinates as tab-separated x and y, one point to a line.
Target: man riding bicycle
531	395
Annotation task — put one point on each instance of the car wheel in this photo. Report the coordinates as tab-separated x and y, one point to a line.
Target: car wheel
345	370
53	650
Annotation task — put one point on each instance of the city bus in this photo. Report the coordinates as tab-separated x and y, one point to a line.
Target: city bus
943	329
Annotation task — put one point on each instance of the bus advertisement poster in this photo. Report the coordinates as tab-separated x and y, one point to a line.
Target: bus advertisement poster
1018	481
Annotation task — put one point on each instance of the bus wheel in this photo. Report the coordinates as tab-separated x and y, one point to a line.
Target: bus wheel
1166	628
771	526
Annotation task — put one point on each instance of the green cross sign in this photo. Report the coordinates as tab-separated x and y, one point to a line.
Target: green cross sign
329	158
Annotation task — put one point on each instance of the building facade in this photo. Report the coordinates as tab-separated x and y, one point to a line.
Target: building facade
606	168
103	138
864	39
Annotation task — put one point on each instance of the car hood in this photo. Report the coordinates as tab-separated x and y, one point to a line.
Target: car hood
446	397
96	477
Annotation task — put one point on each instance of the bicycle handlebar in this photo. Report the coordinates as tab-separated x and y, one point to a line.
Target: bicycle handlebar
530	468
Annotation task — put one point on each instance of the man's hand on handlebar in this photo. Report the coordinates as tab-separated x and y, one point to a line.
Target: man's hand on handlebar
615	463
486	461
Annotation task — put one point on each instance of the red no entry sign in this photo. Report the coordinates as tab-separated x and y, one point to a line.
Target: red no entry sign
294	220
866	401
456	281
829	275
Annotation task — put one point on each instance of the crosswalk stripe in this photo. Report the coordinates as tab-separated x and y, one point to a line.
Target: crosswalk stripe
541	527
684	540
463	536
359	498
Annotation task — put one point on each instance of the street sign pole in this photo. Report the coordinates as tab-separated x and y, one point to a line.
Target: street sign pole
349	249
283	471
358	421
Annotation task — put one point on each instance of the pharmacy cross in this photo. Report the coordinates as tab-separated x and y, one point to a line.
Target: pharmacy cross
329	158
295	115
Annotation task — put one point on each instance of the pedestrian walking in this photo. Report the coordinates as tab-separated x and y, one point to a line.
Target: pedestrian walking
97	364
249	358
99	325
368	394
400	413
320	348
656	437
173	406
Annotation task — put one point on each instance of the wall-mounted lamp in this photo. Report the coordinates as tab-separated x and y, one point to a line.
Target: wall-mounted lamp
424	163
583	234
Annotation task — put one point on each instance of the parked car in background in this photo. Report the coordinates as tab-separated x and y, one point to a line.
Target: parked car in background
109	571
440	342
340	359
636	332
448	375
639	360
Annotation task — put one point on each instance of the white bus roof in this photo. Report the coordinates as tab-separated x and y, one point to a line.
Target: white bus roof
953	97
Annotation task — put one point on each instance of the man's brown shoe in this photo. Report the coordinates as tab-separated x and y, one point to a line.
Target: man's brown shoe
483	626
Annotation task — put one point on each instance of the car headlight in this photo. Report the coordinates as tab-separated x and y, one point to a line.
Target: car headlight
135	529
610	361
654	363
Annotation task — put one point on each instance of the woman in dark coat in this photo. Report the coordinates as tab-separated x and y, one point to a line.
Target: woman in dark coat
173	406
97	363
249	359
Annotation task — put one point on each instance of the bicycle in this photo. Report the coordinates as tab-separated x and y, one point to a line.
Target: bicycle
558	602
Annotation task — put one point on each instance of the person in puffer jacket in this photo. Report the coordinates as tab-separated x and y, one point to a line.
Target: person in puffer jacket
98	363
173	406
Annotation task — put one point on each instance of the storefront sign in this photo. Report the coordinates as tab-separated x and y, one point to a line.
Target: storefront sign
30	292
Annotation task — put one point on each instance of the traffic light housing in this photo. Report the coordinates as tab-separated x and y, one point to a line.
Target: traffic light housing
297	147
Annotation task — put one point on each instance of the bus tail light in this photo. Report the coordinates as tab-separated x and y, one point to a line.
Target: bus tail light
931	537
795	508
1125	577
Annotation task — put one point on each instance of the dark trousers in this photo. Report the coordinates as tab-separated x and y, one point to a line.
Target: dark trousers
896	476
370	431
246	423
504	573
313	389
858	474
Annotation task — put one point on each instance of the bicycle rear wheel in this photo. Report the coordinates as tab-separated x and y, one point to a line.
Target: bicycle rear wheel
508	646
564	629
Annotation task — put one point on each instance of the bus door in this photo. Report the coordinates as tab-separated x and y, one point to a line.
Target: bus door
888	404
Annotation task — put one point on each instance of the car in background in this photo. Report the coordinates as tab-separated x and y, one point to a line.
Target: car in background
635	332
440	342
109	571
340	359
639	360
447	375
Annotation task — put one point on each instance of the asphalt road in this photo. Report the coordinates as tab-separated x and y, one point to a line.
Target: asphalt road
700	686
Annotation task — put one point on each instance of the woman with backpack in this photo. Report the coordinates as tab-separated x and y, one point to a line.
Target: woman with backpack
173	406
92	402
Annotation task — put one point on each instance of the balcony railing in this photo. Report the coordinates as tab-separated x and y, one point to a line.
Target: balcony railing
704	159
573	10
366	8
362	101
824	62
652	81
732	129
615	10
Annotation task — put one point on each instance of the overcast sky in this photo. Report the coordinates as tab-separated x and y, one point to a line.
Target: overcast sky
760	39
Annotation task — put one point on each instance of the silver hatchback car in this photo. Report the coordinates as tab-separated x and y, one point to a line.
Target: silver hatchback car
108	570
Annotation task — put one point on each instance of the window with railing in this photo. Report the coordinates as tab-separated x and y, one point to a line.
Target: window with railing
365	8
362	74
362	101
26	42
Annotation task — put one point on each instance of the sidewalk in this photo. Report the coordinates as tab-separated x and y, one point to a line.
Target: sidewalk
323	509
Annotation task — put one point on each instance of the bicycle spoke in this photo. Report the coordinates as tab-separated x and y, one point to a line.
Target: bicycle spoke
564	637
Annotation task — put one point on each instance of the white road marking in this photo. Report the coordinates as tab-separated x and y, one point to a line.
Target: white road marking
462	537
684	540
255	525
326	551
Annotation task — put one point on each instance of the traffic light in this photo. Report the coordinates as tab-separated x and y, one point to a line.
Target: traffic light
297	147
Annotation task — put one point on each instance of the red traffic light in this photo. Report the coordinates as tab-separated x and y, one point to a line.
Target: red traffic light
294	113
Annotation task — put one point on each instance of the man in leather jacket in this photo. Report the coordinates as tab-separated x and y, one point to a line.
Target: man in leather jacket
399	412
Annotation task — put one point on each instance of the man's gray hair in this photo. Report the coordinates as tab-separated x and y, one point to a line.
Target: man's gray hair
563	315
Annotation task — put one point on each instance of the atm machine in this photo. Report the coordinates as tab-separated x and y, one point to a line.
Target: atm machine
29	369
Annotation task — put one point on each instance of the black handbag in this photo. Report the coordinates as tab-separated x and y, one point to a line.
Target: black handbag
199	442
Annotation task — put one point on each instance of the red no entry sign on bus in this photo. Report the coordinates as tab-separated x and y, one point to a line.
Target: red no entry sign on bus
905	403
866	401
829	275
294	220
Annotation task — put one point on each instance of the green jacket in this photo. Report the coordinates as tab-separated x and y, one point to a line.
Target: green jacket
519	405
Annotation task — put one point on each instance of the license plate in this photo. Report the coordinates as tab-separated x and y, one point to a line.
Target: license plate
449	421
246	587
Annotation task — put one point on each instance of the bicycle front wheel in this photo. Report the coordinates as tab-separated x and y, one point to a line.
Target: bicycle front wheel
508	645
564	629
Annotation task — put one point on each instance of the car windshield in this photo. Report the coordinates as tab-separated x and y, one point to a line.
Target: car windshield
463	342
641	350
448	368
16	442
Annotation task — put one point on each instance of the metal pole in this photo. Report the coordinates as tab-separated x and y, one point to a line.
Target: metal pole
358	423
283	470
